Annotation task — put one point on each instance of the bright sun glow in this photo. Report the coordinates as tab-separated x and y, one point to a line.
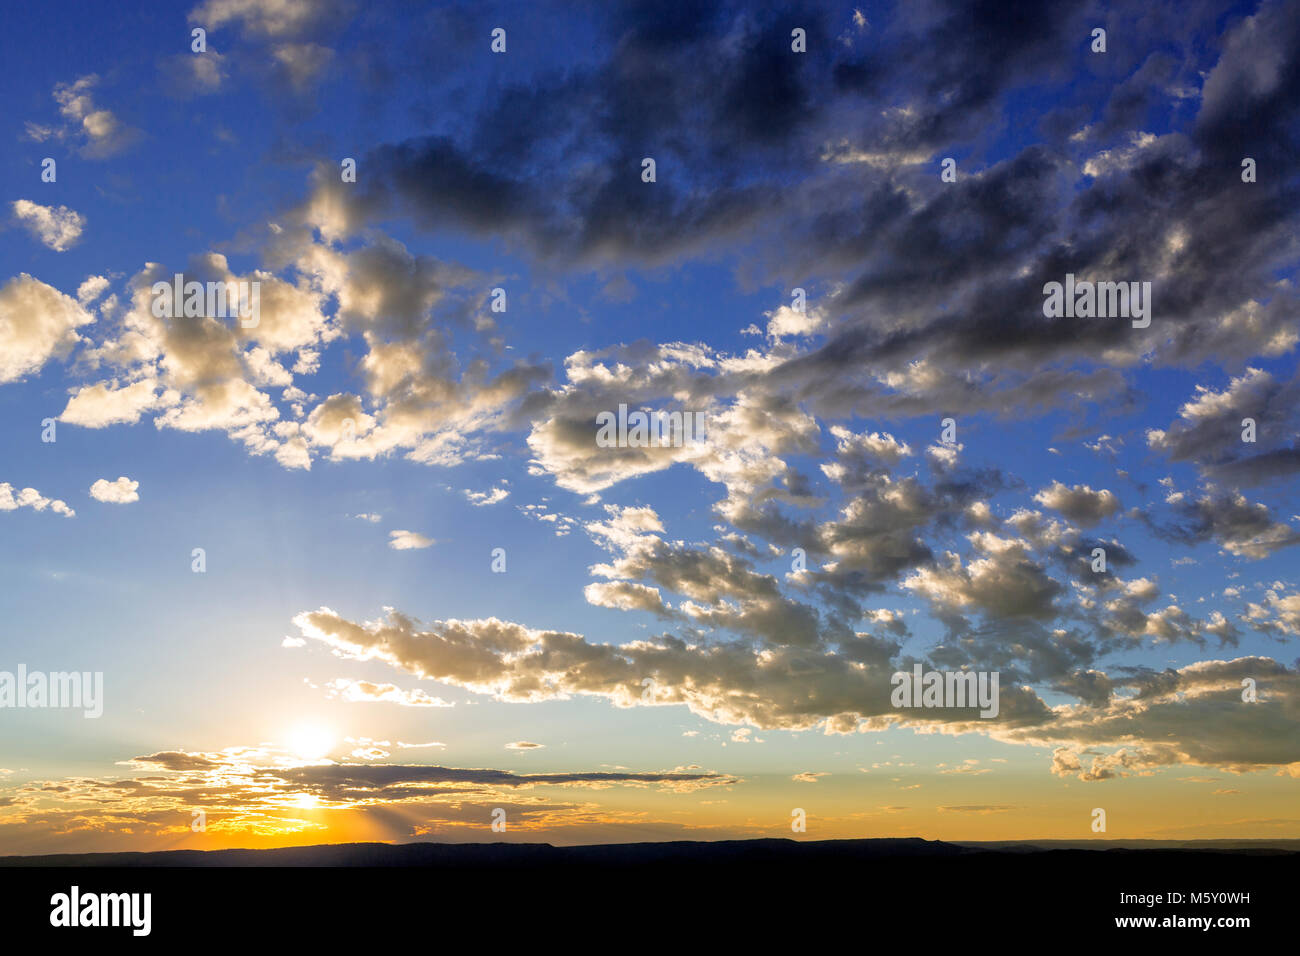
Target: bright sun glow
310	741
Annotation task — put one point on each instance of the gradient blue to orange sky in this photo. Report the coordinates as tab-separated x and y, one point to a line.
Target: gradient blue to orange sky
363	572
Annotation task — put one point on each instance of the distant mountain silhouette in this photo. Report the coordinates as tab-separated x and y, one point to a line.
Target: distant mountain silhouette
719	852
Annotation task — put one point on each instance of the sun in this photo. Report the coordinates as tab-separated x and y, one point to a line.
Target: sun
310	741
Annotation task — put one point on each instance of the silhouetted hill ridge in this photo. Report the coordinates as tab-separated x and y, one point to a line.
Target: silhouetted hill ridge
727	852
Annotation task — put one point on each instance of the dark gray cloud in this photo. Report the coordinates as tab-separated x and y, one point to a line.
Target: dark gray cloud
822	168
1240	526
350	781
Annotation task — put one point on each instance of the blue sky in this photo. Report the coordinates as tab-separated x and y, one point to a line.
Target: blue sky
775	170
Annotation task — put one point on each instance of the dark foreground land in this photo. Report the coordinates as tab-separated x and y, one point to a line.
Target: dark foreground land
699	895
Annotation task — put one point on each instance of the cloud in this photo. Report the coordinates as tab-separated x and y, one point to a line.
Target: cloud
255	791
625	596
357	691
1210	429
524	745
1279	613
120	492
100	133
37	323
1164	716
733	683
268	18
57	227
1006	583
203	372
1194	715
977	331
1079	503
948	345
302	63
482	498
1240	526
104	404
209	372
31	498
408	540
195	74
91	289
859	454
283	33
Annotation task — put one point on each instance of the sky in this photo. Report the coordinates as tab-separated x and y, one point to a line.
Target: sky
358	568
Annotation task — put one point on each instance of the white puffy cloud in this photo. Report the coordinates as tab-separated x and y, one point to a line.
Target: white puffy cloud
104	404
37	323
31	498
57	227
1279	613
787	321
408	540
91	289
120	492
